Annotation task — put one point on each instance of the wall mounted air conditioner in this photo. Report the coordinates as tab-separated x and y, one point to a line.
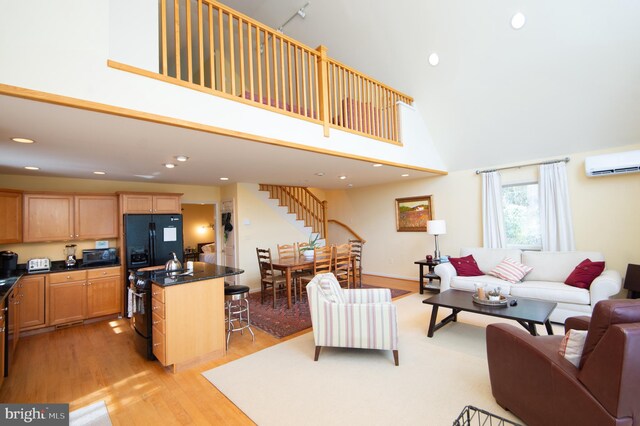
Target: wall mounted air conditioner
613	164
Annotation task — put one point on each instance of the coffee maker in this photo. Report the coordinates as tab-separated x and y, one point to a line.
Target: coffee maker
70	253
8	263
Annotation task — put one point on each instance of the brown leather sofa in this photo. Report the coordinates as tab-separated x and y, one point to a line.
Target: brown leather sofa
533	381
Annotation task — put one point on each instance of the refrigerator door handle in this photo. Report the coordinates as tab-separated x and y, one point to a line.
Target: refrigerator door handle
152	243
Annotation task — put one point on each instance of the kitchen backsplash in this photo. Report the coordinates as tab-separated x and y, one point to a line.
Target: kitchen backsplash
54	250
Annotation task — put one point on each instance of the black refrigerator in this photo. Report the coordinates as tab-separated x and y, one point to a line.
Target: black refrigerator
151	238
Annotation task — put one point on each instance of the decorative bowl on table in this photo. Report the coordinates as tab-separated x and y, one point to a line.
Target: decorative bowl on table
501	301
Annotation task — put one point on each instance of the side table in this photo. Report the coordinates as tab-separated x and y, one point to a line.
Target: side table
430	275
190	255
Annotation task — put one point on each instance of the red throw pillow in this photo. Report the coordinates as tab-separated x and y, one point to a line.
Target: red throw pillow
584	274
466	266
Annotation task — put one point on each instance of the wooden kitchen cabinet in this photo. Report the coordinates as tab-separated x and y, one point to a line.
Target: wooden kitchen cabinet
13	316
189	326
48	217
64	217
104	287
10	216
32	291
67	297
78	295
96	216
143	203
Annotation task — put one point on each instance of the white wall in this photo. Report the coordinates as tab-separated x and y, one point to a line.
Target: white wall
68	55
604	216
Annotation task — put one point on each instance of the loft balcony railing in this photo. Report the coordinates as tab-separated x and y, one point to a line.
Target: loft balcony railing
206	45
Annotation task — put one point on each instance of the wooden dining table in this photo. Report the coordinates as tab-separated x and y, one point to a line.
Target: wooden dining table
291	264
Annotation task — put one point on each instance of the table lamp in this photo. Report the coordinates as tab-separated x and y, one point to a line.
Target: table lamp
632	281
435	228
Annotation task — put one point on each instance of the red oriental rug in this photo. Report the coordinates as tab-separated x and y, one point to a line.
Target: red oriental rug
282	321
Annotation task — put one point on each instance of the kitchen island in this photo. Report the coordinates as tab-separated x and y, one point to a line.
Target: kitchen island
188	326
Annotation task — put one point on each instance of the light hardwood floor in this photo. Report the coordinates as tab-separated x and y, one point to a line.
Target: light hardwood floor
85	364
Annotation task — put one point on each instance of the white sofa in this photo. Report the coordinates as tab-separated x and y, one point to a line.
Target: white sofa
544	282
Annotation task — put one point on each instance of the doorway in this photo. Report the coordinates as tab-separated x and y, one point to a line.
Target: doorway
199	232
229	238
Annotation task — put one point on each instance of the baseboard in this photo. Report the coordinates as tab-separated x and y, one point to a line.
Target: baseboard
397	277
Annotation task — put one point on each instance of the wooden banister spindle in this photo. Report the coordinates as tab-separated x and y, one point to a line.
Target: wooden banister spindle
163	36
232	56
212	57
189	45
200	44
223	79
243	87
176	32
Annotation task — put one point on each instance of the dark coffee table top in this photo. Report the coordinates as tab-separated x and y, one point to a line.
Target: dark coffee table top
536	311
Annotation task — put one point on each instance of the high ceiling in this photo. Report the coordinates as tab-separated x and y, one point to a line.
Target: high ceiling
568	81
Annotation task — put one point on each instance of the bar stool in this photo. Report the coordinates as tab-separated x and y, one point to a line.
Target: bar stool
234	296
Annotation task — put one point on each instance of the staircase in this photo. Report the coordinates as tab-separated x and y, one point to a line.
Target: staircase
301	202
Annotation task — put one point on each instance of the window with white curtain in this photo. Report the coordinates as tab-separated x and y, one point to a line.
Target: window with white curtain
521	211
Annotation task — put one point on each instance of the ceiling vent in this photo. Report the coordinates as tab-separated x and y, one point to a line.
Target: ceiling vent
613	164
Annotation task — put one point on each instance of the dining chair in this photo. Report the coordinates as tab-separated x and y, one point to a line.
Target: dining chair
322	264
290	252
342	264
356	259
268	277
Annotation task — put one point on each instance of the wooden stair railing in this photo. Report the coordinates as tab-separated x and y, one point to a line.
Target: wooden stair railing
300	201
348	228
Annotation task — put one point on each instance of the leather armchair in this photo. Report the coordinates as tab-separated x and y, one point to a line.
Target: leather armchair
352	318
531	379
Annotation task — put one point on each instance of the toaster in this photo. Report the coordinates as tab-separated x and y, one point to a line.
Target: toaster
39	264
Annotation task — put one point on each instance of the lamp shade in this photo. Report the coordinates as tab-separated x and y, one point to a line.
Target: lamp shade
632	279
436	227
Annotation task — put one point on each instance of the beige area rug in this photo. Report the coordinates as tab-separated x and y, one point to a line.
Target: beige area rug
95	414
436	379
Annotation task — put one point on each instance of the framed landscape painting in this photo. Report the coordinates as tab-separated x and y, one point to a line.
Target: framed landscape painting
413	213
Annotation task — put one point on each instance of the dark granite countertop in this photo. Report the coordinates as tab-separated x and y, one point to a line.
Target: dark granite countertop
60	266
8	282
201	271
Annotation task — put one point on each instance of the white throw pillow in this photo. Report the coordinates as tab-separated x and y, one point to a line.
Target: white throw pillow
572	345
209	248
331	289
510	270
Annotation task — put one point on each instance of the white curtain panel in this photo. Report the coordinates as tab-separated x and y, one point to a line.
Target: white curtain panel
555	210
492	217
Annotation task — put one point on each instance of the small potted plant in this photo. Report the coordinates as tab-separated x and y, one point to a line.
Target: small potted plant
494	295
307	251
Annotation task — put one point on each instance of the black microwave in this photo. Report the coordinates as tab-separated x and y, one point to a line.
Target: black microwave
97	257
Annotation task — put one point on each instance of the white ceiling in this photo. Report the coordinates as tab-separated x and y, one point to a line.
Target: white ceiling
568	81
72	142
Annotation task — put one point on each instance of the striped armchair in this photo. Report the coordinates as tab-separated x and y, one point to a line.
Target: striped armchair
351	318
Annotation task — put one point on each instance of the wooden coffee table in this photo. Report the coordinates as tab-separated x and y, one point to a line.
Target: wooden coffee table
527	312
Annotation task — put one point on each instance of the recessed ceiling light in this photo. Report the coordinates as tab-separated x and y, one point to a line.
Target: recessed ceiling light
32	168
99	173
342	177
434	59
224	178
517	21
405	175
319	174
22	140
169	165
182	158
377	165
350	185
